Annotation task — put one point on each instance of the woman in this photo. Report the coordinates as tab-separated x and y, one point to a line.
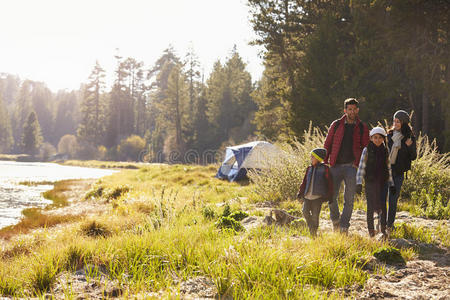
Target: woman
402	145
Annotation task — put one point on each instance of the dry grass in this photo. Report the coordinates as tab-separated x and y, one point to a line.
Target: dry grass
34	218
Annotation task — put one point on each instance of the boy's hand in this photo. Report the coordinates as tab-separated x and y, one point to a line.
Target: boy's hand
359	189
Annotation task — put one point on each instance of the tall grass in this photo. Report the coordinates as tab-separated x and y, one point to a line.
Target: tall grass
428	182
282	179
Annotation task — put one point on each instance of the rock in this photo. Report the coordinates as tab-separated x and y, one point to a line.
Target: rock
198	287
402	243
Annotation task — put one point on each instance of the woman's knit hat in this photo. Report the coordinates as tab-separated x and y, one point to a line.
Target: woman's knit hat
402	116
319	153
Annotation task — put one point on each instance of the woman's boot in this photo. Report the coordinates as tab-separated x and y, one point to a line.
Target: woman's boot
372	232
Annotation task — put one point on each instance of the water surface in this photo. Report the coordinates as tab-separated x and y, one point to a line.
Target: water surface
15	197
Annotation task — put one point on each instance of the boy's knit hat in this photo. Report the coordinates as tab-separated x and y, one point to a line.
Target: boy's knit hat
378	130
402	116
319	153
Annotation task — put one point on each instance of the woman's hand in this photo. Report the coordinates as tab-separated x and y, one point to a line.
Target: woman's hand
408	142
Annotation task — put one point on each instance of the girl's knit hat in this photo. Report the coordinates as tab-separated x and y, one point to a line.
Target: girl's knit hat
378	130
319	153
402	116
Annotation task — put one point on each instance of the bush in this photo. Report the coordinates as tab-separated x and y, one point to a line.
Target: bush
389	255
282	179
68	145
46	151
95	229
239	215
230	223
430	167
208	213
131	148
430	204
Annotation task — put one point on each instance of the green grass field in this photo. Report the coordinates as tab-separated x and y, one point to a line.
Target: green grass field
158	227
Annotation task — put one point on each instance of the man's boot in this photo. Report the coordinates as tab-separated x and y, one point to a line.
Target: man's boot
336	225
372	232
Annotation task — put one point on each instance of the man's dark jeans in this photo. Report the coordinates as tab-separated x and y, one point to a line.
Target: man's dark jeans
346	173
398	182
311	212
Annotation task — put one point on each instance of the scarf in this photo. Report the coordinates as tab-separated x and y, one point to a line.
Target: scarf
397	139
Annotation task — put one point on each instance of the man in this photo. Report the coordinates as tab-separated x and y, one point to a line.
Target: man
345	141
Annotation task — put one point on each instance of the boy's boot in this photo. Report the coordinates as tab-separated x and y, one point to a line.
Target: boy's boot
372	232
384	232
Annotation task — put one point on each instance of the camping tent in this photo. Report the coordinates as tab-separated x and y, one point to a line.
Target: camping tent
238	159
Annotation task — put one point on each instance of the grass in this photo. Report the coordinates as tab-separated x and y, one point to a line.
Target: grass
102	164
158	228
34	218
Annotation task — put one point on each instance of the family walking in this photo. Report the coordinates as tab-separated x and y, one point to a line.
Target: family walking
353	154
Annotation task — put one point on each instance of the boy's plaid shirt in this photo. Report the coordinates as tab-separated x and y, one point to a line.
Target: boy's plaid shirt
362	169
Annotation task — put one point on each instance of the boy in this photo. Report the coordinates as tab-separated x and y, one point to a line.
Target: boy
375	168
316	188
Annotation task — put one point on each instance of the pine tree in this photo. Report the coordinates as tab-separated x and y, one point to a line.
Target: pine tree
92	127
32	138
6	139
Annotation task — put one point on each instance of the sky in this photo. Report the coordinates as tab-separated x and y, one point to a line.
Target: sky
58	41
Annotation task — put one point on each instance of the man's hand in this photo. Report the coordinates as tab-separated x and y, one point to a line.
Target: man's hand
359	189
392	190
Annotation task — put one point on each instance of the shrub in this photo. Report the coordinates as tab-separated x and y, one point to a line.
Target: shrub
282	179
131	147
68	145
95	229
226	211
117	192
208	213
389	255
239	215
230	223
430	167
430	204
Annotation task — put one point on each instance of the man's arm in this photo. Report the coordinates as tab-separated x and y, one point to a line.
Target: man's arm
365	136
329	141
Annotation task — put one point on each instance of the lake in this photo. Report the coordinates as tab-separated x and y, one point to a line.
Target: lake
15	197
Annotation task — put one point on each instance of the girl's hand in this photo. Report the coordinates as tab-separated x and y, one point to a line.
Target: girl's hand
408	142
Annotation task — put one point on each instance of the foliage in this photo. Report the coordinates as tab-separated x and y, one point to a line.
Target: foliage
208	213
282	179
95	229
431	205
389	255
32	137
230	223
131	148
238	215
430	171
388	54
68	145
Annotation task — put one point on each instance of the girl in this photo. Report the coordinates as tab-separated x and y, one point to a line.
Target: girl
402	145
375	168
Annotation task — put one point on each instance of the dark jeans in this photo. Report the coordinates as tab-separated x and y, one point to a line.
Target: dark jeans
398	181
311	212
346	173
375	193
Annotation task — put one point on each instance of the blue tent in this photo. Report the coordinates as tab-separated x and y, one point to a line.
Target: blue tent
240	158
